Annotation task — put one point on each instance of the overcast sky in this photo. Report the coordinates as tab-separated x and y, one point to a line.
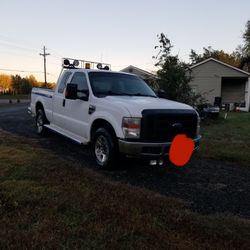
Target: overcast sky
116	32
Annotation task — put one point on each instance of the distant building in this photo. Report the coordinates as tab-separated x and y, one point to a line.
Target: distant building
145	75
217	81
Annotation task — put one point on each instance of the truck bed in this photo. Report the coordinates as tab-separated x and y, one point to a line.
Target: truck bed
43	92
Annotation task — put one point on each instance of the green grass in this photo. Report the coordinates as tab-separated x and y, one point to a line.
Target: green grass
15	97
50	203
227	139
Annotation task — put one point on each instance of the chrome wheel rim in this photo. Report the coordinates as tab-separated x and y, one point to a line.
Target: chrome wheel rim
101	149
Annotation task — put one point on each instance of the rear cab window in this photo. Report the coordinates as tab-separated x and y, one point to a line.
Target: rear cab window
63	81
79	78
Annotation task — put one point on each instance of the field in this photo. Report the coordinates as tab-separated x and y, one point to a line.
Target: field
14	97
51	202
227	139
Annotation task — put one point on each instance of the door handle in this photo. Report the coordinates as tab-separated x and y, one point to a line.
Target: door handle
63	103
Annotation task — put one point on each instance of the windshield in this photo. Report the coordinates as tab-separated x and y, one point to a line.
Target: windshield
106	83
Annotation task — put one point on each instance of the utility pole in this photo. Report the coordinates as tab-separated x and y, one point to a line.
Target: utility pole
44	54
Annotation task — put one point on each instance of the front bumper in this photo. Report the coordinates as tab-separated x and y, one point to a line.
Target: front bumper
147	149
29	110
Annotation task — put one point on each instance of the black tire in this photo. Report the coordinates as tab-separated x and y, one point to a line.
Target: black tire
104	149
40	122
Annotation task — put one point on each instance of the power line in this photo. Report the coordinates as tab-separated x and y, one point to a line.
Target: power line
44	54
20	70
56	54
12	41
8	42
28	71
17	46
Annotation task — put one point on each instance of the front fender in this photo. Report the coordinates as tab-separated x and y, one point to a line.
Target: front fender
115	122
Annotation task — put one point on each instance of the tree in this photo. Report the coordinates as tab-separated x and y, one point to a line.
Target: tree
173	74
246	38
232	59
5	83
25	86
33	82
16	83
244	50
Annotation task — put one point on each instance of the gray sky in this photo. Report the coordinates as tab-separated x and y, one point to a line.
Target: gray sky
116	32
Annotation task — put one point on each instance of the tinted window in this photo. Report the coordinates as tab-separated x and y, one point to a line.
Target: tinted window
80	80
104	83
64	80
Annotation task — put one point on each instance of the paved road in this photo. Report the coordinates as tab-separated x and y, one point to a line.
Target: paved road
209	186
5	101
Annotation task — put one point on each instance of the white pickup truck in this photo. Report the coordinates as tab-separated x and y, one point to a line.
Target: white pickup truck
116	113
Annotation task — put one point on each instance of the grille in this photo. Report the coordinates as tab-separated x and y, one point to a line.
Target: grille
163	125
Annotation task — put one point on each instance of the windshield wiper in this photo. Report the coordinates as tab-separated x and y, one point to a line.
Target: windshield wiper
110	93
114	93
118	93
139	94
129	94
103	94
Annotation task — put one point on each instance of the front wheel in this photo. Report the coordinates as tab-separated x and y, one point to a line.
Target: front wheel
104	149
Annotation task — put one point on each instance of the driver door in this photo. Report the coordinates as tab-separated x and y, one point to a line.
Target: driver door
77	110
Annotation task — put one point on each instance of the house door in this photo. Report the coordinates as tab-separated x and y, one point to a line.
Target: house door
233	90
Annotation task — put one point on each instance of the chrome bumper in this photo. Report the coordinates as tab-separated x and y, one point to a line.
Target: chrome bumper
30	112
147	149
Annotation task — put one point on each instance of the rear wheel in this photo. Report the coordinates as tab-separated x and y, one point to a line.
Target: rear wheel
40	122
104	149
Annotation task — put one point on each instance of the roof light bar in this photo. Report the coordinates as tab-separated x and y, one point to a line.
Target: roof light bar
76	63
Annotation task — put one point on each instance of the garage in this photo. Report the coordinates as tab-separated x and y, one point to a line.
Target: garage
233	90
221	84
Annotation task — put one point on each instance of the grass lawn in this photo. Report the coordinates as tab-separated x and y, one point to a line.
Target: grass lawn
227	139
49	203
15	97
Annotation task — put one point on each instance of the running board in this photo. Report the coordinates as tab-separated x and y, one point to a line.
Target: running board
77	139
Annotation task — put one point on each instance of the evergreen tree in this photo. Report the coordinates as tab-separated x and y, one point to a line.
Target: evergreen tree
244	50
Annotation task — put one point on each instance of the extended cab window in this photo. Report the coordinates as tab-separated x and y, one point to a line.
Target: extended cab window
64	80
80	80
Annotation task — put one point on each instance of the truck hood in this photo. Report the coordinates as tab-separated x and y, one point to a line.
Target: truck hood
135	104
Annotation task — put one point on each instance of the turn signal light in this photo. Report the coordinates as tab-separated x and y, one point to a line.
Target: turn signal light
131	127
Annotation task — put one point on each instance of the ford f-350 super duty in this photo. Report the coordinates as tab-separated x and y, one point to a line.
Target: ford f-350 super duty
116	113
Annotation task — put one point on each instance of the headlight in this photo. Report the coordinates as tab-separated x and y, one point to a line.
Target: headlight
131	127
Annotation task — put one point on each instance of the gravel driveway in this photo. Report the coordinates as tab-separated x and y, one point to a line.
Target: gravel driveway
209	186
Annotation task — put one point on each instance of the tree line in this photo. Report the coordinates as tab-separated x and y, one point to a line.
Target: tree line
15	84
239	58
174	75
